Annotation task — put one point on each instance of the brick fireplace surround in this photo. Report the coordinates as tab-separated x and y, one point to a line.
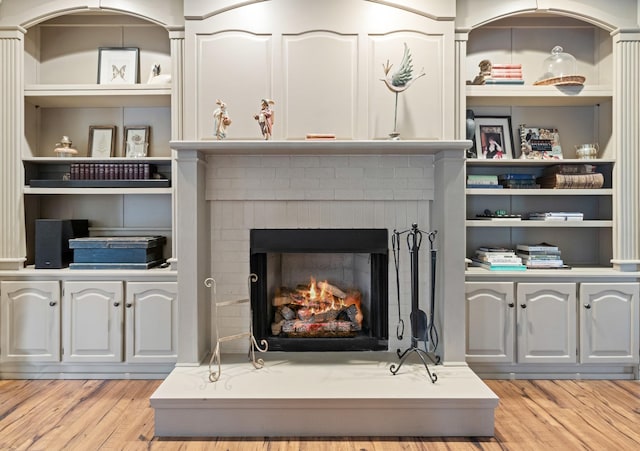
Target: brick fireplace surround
226	188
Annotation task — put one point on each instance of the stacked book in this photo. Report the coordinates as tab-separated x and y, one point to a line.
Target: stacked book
568	176
557	216
482	181
112	171
505	74
518	181
540	256
497	259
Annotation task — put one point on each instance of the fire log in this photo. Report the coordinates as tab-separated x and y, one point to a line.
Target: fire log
332	289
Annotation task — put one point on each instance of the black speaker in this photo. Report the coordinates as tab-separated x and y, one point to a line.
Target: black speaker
52	241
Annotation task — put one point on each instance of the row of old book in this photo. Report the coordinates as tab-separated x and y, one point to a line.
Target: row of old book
524	256
559	176
112	171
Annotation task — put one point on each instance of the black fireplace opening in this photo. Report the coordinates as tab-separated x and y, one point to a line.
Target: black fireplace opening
320	289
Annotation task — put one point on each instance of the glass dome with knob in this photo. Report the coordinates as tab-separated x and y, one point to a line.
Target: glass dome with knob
560	69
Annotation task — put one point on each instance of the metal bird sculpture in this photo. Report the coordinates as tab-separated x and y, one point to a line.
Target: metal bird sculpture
399	81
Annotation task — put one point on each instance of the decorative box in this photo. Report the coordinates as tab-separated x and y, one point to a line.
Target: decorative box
128	252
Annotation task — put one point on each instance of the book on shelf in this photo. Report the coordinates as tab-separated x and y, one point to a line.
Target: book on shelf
537	247
540	143
493	217
482	178
504	81
570	169
498	267
572	181
501	66
496	249
482	254
526	176
484	185
557	216
520	184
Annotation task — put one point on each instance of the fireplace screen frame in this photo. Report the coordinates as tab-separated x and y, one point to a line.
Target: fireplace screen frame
374	242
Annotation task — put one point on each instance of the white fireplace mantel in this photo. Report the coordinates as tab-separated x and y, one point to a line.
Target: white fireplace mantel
193	228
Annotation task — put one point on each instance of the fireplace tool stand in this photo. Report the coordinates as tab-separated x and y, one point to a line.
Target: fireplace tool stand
421	328
253	344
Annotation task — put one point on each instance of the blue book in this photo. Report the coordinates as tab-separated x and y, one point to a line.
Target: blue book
516	177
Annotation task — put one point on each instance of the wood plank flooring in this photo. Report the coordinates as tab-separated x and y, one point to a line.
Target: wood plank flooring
115	415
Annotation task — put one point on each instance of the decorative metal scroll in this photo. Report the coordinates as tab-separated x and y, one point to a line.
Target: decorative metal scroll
253	344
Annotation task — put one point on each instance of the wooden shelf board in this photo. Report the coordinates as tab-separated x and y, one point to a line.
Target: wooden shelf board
85	96
528	95
539	224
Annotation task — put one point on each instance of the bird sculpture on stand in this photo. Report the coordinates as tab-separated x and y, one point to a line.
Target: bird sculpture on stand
399	82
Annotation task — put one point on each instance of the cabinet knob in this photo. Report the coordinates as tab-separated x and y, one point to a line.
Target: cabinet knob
511	305
116	304
128	305
523	305
587	306
52	303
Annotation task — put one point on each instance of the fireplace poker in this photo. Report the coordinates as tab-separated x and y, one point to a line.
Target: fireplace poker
395	243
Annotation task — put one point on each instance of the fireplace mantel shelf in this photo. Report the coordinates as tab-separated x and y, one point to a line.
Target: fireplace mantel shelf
314	147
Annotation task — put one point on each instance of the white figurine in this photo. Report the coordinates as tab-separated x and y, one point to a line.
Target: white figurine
222	119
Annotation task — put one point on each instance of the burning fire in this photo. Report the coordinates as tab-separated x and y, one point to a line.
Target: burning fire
319	309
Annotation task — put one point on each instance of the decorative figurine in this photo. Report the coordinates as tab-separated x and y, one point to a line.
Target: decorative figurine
155	77
399	82
265	118
485	72
64	149
222	119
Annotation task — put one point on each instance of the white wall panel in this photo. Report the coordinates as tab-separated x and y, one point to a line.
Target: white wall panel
320	70
421	106
241	82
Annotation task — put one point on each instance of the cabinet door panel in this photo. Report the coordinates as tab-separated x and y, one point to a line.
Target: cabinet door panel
151	322
93	321
490	322
546	322
30	321
609	322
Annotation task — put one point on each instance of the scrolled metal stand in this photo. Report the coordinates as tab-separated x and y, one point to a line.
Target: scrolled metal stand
253	344
421	328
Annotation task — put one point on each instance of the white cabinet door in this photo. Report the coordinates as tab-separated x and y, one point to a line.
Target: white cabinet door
490	321
609	319
30	321
92	321
546	322
151	322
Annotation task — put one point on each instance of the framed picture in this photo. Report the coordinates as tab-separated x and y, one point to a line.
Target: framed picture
102	140
493	137
136	140
540	143
118	65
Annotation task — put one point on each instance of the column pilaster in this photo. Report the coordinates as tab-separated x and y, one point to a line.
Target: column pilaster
176	40
12	227
626	121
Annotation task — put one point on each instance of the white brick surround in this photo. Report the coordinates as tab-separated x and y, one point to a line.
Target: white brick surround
372	191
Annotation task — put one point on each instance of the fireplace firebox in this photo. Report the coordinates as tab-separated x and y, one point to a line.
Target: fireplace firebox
320	289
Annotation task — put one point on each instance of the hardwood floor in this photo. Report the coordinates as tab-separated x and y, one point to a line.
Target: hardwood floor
532	415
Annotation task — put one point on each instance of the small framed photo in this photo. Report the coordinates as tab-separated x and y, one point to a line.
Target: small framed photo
102	140
118	65
493	138
136	140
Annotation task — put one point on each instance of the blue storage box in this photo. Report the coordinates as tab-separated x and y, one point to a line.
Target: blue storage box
130	252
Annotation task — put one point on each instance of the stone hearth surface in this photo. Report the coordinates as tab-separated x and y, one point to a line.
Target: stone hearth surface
323	394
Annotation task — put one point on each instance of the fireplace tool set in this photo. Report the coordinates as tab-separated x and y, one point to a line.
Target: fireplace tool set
422	327
253	344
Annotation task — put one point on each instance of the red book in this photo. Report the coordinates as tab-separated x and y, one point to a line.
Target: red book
507	66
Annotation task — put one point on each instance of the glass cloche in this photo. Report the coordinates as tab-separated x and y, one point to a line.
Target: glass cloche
560	68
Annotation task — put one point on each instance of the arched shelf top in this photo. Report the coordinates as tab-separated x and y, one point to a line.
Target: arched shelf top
172	19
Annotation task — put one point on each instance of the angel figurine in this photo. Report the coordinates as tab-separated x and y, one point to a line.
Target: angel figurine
265	118
222	119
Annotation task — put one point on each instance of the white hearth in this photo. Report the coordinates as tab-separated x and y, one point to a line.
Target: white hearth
226	188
